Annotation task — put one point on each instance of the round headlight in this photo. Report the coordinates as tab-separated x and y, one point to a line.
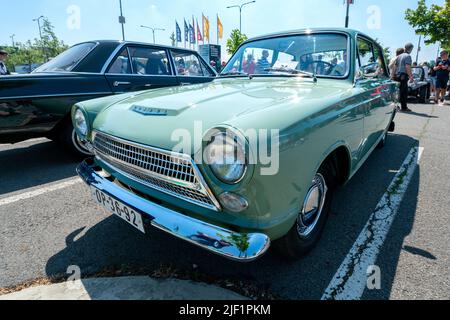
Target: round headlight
225	155
80	122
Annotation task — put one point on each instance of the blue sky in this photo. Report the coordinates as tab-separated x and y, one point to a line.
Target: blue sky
380	19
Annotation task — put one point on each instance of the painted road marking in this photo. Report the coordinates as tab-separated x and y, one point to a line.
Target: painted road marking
40	191
350	280
36	140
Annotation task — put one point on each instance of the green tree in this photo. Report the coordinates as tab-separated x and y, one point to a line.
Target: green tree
38	50
50	43
386	51
432	22
235	41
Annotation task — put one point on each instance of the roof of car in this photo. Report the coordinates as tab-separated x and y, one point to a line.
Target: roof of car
351	32
119	42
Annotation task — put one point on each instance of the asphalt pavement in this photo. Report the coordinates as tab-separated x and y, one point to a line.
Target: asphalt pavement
48	222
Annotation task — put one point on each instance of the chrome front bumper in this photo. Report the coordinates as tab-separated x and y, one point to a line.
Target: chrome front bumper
236	246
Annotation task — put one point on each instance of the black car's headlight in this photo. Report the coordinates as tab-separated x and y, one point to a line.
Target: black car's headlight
225	154
80	123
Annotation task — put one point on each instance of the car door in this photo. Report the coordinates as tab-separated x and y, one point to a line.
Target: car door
140	68
378	92
190	68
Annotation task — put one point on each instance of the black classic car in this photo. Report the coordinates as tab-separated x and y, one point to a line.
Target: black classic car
420	88
39	104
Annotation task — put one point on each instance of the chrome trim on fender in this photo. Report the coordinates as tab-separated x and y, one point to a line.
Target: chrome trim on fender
215	239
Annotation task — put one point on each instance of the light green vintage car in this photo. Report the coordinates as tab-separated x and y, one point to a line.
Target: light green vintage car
252	158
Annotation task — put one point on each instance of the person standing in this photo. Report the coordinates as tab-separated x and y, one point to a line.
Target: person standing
393	62
404	74
3	69
442	76
263	63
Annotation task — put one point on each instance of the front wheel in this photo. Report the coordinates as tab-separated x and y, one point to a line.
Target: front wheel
306	233
73	143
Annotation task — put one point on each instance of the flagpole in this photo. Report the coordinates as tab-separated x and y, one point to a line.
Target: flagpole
347	17
203	27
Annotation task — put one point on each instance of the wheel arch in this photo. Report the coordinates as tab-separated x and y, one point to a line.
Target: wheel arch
339	156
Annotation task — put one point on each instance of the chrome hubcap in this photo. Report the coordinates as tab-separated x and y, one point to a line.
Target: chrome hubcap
79	144
312	207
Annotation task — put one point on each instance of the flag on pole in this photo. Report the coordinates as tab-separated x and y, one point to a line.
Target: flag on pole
219	29
205	27
178	32
194	33
191	34
199	33
186	32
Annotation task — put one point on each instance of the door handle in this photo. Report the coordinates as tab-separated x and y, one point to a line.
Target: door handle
119	83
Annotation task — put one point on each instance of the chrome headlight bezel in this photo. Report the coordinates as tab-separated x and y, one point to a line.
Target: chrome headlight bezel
226	155
80	122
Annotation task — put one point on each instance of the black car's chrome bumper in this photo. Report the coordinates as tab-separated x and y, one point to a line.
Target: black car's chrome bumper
236	246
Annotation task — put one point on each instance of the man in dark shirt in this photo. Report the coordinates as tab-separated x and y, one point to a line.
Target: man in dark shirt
3	56
442	76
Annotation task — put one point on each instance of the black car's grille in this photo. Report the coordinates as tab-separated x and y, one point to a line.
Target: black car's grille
164	171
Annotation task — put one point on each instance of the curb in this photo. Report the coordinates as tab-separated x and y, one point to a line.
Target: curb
125	288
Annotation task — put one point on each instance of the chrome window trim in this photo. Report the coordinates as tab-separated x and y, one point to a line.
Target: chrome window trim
140	75
112	57
204	188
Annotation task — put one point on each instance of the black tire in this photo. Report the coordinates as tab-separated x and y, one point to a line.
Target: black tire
70	141
295	246
423	95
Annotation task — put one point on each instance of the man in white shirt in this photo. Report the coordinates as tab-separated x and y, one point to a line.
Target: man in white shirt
3	69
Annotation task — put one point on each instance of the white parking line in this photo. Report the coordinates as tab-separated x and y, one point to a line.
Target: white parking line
36	140
350	280
40	191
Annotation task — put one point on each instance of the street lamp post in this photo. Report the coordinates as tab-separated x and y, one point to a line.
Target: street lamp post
122	20
153	30
38	20
347	16
419	48
12	39
240	12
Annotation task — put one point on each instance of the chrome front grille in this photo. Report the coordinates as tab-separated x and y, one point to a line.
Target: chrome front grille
174	174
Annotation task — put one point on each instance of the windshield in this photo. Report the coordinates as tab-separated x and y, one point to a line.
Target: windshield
67	60
324	55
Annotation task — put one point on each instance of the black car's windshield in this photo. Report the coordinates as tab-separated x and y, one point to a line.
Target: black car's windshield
323	55
67	60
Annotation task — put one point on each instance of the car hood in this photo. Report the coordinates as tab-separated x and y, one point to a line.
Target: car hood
157	117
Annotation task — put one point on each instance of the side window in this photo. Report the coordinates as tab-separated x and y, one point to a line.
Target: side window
379	56
147	61
207	72
188	65
122	64
368	62
366	55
